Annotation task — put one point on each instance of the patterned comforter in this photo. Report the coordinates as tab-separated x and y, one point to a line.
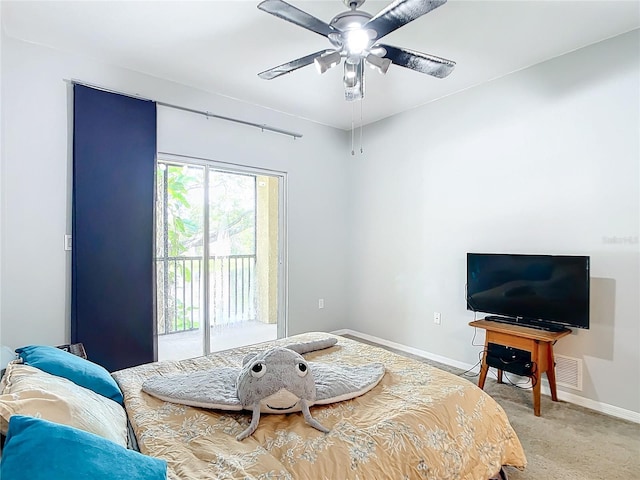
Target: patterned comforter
419	422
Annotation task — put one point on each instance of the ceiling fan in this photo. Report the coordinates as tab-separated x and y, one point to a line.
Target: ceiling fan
355	36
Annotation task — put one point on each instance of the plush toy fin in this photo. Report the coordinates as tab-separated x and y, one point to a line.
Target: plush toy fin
215	388
255	418
306	347
309	419
301	348
335	383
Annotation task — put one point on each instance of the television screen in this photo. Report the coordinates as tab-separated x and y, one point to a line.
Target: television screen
530	289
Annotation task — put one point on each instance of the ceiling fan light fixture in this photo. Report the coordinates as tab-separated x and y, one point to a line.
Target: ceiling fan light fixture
327	61
351	72
354	90
377	63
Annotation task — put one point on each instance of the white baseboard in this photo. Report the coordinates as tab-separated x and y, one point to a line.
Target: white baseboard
562	395
592	404
404	348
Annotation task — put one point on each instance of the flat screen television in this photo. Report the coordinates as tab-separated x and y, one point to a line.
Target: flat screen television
544	291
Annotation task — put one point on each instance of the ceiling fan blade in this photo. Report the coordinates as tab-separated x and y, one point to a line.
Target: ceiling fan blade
282	9
420	62
291	66
400	13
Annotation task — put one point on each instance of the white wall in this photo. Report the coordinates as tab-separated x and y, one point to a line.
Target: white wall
545	160
36	183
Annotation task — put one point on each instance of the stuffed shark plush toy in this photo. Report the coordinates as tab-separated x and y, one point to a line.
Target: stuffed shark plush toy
277	380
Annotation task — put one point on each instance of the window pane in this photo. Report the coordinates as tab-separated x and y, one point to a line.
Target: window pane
179	260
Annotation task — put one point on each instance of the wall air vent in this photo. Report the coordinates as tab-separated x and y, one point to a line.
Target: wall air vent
568	372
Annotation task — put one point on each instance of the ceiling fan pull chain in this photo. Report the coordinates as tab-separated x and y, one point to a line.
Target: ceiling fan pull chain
361	150
353	152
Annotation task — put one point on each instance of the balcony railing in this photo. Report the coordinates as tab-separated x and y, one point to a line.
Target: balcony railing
180	291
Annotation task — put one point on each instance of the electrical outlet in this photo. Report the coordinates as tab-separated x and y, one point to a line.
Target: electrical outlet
436	318
67	243
321	303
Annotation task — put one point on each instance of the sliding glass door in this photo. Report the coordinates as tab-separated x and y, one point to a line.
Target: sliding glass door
219	263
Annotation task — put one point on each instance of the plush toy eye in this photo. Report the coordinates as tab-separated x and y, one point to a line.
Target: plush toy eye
301	369
258	370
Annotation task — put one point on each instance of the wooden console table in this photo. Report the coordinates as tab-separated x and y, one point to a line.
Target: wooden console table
538	342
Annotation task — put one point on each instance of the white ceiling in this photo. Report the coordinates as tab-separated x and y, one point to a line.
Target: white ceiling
220	46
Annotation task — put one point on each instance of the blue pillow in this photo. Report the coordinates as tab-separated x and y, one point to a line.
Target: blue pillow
80	371
41	450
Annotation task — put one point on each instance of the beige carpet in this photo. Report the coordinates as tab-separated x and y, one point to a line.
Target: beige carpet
567	442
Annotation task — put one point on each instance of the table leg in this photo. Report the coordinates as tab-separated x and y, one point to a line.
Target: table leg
536	395
499	376
551	373
483	374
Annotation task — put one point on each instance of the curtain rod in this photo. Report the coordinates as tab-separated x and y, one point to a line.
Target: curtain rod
262	127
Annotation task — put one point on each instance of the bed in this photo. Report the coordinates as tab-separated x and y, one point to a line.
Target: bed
418	422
